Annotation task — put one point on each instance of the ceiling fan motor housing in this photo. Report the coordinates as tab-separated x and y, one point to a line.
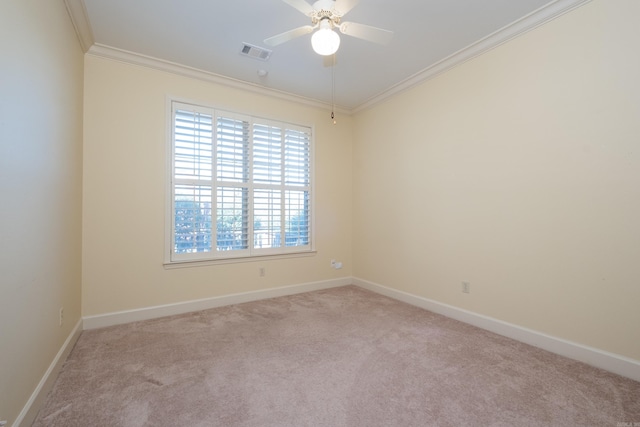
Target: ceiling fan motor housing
325	18
325	15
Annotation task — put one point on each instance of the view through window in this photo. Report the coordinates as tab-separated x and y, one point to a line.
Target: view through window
240	185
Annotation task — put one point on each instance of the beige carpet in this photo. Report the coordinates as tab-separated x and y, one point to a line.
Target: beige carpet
338	357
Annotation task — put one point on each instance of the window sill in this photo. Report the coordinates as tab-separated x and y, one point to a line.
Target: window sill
170	265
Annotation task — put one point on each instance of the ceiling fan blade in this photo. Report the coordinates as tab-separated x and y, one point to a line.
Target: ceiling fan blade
288	35
344	6
366	32
301	5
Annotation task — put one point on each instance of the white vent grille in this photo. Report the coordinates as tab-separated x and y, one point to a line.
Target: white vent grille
255	52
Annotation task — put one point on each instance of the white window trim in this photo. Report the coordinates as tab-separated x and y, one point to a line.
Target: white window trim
253	255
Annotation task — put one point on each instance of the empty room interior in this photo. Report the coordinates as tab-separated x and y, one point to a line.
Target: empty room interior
485	180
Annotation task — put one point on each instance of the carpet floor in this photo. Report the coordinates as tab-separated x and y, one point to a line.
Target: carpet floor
337	357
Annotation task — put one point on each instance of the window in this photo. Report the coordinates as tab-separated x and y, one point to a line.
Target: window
240	186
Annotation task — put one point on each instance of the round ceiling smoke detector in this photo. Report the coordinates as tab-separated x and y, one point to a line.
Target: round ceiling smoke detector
262	73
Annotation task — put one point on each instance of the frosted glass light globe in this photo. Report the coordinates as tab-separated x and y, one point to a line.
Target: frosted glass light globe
325	41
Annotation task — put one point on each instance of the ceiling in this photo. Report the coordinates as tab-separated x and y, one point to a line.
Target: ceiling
208	35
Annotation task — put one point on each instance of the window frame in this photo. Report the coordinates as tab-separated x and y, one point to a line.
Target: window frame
215	256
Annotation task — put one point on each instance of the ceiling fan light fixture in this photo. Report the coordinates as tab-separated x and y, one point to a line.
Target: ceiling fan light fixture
325	41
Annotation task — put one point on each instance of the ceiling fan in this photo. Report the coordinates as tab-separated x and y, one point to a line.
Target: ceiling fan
325	16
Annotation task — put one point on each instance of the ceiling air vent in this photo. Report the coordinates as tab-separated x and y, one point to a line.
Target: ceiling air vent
255	52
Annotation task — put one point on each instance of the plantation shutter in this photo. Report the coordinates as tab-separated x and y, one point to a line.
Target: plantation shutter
240	186
267	154
297	171
192	192
232	152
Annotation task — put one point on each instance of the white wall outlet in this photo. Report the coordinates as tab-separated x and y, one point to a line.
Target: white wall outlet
466	287
61	317
262	272
336	264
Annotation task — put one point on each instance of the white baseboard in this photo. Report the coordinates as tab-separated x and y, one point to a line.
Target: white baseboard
120	317
615	363
30	410
611	362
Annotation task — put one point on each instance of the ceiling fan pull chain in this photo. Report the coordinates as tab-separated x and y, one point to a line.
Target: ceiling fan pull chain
333	89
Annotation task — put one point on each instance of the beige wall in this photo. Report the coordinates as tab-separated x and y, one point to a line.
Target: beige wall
124	192
40	188
519	172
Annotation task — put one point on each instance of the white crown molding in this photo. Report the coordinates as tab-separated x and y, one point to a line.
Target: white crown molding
78	13
527	23
133	58
546	13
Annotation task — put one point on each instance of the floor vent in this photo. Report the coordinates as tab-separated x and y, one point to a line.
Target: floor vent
255	52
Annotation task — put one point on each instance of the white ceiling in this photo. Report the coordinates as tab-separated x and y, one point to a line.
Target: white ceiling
208	35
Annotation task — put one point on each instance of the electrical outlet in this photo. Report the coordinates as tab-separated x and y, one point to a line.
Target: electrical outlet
61	319
262	271
466	287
